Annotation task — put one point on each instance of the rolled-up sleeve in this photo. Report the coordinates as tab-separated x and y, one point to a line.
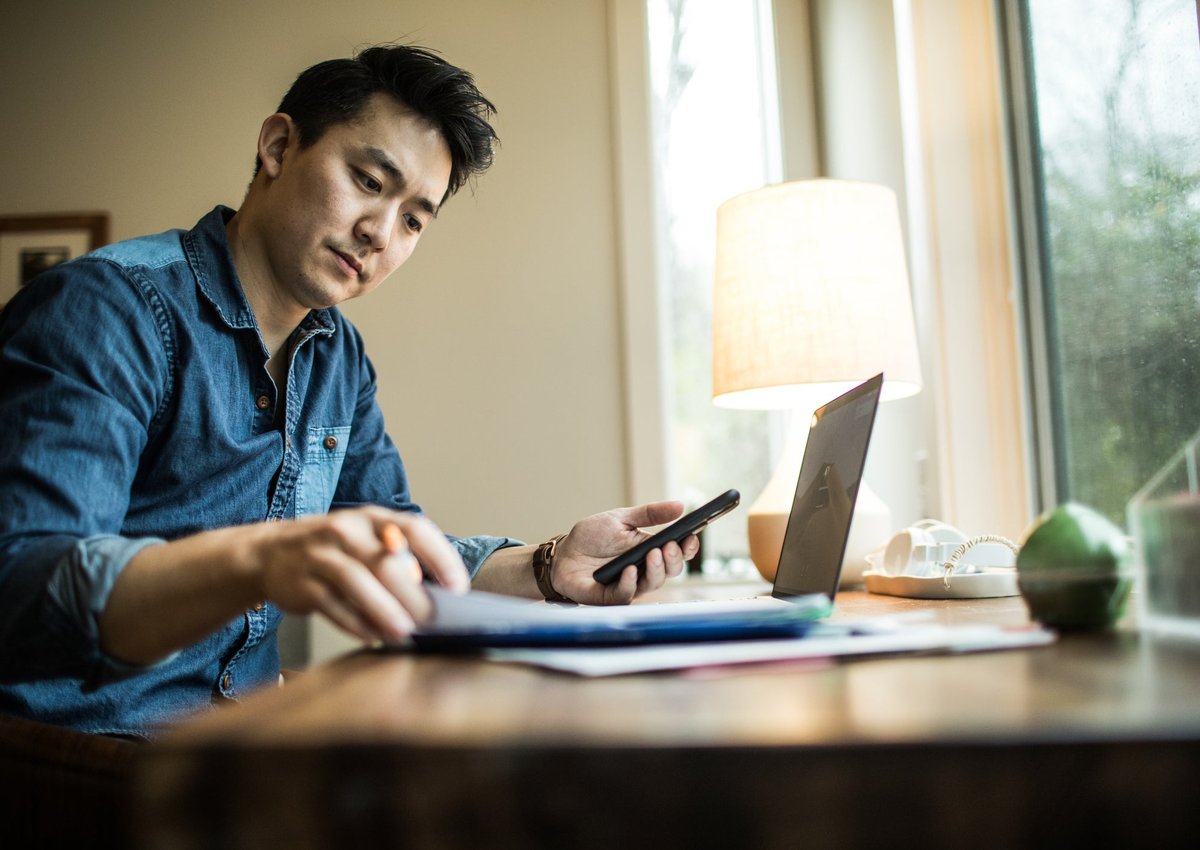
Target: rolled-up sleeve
82	379
79	587
476	550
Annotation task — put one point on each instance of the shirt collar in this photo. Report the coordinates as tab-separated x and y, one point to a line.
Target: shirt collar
212	262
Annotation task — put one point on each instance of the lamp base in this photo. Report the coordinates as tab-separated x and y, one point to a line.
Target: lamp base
768	516
870	527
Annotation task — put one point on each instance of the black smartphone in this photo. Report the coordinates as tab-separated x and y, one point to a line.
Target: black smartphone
678	531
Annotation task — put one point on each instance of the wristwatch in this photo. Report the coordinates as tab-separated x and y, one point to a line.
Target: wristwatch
543	561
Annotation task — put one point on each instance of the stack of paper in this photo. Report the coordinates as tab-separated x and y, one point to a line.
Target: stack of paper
605	641
478	619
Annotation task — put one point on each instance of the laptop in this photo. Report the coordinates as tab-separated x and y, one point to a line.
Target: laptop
806	581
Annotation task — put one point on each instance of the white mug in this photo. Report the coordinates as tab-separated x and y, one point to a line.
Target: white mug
921	549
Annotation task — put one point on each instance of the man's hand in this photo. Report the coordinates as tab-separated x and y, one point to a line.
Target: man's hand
598	539
359	568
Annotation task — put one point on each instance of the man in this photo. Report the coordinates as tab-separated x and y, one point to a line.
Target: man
194	444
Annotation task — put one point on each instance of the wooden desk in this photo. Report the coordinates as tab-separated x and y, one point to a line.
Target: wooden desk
1094	741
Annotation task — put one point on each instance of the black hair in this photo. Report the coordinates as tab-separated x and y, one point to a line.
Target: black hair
336	92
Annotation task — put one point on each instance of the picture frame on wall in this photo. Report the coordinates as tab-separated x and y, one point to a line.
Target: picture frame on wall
31	244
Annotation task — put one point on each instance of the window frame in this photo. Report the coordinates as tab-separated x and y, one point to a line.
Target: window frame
958	171
963	255
1037	310
641	259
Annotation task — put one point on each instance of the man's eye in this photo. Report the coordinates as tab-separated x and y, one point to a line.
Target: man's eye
370	183
414	223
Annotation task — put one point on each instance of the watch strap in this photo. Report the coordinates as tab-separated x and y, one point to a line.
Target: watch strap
543	562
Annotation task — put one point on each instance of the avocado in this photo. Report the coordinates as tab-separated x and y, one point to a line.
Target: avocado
1071	569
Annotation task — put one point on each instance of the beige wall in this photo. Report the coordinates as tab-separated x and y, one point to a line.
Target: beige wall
498	344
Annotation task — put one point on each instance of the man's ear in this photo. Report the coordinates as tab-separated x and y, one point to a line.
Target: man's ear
278	133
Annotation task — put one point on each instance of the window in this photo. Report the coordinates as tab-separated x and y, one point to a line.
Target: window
715	135
1110	95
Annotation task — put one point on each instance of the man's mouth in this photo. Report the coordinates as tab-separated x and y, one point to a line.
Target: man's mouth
348	262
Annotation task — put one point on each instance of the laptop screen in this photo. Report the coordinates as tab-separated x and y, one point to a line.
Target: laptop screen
819	524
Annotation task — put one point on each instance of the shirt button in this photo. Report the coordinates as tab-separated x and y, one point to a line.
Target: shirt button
225	681
263	402
331	442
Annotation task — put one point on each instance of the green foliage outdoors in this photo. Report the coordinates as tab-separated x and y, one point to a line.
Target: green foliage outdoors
1122	217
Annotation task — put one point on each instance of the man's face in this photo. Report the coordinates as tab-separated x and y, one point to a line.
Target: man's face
348	210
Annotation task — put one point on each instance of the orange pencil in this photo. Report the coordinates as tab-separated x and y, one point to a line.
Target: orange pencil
394	542
393	539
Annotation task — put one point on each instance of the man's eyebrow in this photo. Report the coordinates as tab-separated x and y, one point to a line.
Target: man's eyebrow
381	158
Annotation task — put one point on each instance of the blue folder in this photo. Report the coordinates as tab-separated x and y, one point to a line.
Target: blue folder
478	620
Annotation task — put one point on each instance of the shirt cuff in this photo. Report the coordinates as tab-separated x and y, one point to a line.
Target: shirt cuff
80	586
476	550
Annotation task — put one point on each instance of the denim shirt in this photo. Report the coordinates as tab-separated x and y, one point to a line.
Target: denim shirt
138	409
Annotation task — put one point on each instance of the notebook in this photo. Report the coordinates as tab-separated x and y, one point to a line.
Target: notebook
810	564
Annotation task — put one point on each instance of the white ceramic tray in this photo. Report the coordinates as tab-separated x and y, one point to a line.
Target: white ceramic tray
988	582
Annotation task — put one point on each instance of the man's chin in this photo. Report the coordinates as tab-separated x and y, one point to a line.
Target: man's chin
330	295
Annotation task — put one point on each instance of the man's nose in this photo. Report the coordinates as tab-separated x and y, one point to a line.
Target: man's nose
375	230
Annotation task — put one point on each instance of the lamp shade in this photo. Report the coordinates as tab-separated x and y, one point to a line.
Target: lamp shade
811	288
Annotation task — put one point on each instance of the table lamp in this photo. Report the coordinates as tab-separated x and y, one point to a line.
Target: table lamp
810	299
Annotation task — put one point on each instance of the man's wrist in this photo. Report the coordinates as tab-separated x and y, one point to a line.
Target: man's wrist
543	567
245	548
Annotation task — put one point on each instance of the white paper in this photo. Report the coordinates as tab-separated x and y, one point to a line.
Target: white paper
477	611
824	641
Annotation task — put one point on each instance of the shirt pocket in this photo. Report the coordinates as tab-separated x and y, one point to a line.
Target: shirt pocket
324	451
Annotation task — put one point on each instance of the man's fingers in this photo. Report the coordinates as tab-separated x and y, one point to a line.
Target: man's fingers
622	591
656	567
398	552
362	590
673	558
344	617
400	573
650	514
427	542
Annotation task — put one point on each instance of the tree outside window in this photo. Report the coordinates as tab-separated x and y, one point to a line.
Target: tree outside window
1115	89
